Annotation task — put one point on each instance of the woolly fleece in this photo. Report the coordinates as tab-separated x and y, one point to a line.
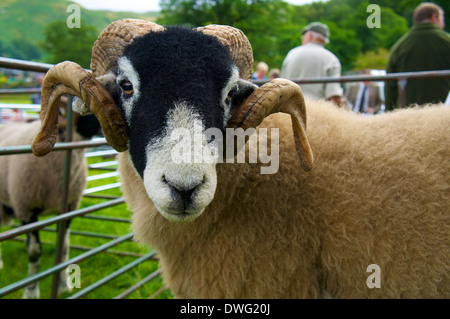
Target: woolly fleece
379	193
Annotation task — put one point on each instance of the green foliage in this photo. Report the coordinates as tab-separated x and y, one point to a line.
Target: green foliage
273	26
74	44
405	8
395	24
254	17
372	60
20	50
344	43
3	80
268	37
15	260
22	24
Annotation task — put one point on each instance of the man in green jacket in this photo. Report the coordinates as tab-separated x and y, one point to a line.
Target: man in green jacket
425	47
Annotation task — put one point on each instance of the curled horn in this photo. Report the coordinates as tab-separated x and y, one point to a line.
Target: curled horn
279	95
112	41
238	45
69	78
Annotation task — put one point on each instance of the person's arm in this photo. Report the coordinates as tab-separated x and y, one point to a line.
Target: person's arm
338	100
376	100
333	91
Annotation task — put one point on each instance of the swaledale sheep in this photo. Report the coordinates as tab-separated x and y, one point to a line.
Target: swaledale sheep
32	186
377	193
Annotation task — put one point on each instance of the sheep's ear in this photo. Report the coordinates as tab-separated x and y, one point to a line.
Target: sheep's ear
80	107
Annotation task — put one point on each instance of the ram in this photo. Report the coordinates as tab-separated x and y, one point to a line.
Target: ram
375	192
32	186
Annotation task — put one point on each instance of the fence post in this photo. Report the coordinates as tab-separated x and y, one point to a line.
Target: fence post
62	226
401	91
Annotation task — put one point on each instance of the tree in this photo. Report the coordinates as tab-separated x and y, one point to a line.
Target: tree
267	23
405	8
392	28
372	60
200	12
24	50
274	26
345	44
62	43
2	49
20	49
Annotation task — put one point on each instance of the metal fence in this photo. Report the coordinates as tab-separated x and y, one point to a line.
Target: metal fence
99	148
401	78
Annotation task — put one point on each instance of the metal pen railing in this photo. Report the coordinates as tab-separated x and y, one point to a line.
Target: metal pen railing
64	215
57	268
401	79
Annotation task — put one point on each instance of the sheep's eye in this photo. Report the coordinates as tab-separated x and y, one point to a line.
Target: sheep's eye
127	87
230	96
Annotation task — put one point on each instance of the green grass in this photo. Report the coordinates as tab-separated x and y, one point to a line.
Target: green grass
16	98
15	258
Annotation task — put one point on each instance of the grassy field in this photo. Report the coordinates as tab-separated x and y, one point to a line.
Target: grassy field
15	98
93	269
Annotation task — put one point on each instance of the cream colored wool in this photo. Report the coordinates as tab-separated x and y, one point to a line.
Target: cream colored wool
379	193
29	182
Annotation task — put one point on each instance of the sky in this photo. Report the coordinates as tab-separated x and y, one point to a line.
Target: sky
140	5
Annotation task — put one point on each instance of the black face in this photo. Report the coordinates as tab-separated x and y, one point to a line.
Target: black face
88	126
175	65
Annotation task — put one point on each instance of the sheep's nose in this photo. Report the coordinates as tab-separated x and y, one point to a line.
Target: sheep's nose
181	195
185	195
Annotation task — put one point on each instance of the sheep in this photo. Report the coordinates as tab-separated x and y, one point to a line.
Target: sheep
373	197
32	186
378	194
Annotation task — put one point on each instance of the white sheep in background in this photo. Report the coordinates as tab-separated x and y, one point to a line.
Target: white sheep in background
32	186
377	196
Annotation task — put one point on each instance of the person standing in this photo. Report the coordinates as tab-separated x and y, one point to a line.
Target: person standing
274	73
312	60
425	47
364	97
261	71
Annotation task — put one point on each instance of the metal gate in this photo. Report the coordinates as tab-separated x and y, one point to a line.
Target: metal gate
133	271
108	196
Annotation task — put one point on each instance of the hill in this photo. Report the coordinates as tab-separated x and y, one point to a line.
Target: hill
22	24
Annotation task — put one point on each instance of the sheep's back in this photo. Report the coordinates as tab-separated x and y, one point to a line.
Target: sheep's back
377	194
36	182
382	186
